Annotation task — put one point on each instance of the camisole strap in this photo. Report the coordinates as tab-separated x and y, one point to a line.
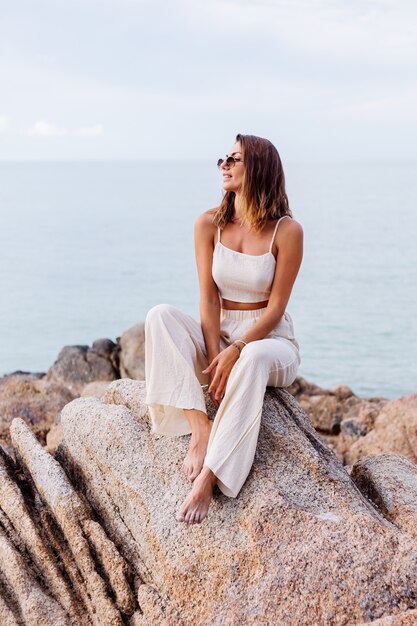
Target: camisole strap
275	231
218	234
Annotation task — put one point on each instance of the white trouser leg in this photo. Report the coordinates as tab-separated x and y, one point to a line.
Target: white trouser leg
234	434
175	355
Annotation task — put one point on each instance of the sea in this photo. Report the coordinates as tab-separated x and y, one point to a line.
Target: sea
87	247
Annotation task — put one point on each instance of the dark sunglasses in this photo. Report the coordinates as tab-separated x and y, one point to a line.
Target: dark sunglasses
229	162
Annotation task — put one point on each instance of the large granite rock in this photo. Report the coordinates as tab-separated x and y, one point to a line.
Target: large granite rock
300	546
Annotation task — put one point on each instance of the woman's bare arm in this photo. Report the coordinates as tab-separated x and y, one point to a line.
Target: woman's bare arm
209	294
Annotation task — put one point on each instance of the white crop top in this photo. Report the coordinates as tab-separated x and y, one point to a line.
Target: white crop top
243	277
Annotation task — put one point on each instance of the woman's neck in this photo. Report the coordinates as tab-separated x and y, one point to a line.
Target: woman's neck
238	204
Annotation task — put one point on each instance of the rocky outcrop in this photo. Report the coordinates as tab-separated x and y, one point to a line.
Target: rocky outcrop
322	534
301	545
394	430
39	398
90	536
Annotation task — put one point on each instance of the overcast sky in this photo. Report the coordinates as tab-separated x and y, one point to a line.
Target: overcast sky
323	79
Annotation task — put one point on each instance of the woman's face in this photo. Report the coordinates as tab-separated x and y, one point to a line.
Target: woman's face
233	176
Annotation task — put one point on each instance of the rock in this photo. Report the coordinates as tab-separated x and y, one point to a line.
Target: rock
70	571
406	618
54	438
132	352
22	545
302	387
33	398
324	413
390	480
395	431
78	365
301	545
97	388
342	392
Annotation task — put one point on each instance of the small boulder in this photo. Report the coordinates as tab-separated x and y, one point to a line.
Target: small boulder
78	365
132	352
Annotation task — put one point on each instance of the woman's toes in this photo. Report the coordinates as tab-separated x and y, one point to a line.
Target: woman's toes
194	475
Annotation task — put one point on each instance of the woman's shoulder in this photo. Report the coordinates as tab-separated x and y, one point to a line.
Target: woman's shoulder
204	229
291	226
206	218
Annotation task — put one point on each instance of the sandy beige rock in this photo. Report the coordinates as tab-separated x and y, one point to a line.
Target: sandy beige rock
325	408
97	389
33	398
300	545
395	431
132	352
54	438
31	604
26	537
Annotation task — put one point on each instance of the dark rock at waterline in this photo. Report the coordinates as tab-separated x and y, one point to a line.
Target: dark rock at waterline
78	365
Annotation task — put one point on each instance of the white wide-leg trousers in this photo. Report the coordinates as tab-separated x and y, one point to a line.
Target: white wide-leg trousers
175	355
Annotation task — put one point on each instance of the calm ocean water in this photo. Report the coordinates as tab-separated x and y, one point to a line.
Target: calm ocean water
87	248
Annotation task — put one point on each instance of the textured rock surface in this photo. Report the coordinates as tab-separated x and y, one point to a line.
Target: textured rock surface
132	352
407	618
390	480
58	565
300	545
339	416
96	389
335	410
33	398
395	431
78	365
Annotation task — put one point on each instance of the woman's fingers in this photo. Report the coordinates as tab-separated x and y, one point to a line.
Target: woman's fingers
210	366
214	382
222	386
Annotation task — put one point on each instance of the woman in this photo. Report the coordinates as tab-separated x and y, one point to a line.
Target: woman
245	338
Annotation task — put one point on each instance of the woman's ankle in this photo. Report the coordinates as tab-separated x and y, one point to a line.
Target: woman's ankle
198	420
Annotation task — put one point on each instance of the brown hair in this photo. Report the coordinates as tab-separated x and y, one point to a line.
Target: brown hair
263	186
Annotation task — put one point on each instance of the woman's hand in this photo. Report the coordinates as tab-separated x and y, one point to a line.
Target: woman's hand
212	392
223	364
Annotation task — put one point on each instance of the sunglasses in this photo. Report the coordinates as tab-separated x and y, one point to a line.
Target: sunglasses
229	162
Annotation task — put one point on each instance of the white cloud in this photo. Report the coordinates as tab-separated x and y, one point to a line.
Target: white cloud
41	127
90	131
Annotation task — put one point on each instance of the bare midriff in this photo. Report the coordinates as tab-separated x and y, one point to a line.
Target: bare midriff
242	306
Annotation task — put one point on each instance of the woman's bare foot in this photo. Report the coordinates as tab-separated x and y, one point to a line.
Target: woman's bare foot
194	459
196	505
